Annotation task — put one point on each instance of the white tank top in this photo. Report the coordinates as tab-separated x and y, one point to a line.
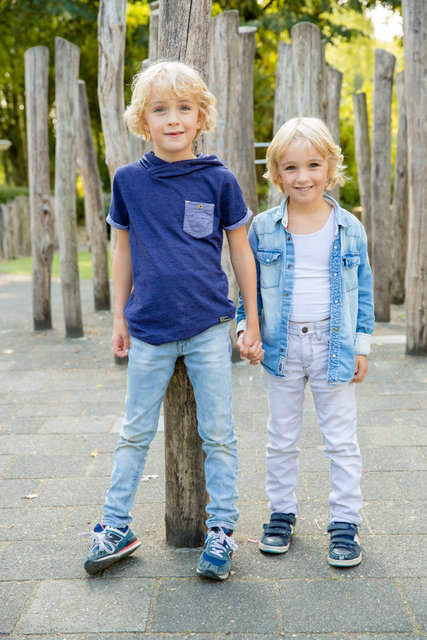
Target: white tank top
312	287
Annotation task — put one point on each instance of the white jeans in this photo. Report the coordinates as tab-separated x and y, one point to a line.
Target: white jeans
336	410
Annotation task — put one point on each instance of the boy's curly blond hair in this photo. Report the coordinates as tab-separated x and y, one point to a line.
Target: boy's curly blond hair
177	77
306	130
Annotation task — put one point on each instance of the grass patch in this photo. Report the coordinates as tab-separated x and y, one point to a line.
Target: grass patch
23	266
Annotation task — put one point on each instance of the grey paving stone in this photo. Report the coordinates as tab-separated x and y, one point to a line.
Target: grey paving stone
403	418
71	466
37	444
96	605
13	596
416	594
18	426
31	523
398	436
78	425
393	459
92	443
5	463
13	492
188	605
69	492
413	484
329	606
35	560
396	517
49	410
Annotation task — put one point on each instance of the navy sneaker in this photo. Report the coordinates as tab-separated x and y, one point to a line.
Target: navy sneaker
109	545
215	561
344	547
277	533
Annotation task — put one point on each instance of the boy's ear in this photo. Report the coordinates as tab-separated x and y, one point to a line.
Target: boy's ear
200	120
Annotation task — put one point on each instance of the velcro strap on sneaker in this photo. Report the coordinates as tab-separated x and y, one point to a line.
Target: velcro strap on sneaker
280	524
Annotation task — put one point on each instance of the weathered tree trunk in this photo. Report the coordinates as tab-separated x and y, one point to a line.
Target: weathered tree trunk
186	496
111	54
67	105
333	84
183	35
399	216
381	182
415	45
363	161
15	228
245	168
94	203
284	104
36	89
231	81
153	40
307	62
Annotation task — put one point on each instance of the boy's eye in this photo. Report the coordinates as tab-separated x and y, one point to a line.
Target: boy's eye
290	168
185	107
158	110
314	165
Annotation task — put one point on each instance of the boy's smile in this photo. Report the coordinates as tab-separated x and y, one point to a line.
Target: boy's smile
173	123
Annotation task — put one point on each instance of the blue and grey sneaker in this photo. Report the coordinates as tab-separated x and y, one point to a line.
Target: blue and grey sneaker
109	545
215	561
344	547
277	534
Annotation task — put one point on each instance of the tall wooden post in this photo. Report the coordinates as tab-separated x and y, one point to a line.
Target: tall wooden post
94	203
284	103
67	105
415	47
183	35
381	182
363	161
333	84
307	62
36	89
399	215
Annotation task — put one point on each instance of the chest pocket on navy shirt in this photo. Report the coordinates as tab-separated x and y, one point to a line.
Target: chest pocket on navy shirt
350	263
270	265
198	218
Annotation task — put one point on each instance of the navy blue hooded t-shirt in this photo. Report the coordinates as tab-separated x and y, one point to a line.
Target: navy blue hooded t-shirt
175	213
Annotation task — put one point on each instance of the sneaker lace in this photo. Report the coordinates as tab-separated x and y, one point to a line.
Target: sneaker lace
99	540
217	545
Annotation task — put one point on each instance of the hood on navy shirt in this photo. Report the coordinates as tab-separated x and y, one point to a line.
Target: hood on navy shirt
159	168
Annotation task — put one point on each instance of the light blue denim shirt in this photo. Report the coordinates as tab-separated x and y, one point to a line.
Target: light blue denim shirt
352	308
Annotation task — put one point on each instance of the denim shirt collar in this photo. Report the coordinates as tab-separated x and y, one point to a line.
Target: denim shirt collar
341	216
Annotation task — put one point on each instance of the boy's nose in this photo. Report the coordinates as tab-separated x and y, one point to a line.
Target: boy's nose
173	116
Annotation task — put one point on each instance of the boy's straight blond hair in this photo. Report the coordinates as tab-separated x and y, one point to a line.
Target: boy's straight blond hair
179	78
306	131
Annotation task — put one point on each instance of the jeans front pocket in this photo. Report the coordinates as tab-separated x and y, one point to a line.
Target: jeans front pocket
198	218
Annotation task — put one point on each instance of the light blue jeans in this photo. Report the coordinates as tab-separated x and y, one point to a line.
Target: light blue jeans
207	357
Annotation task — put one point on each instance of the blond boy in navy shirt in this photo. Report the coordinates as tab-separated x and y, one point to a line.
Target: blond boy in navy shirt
171	299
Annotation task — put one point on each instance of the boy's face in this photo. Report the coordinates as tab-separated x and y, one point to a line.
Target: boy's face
173	123
303	172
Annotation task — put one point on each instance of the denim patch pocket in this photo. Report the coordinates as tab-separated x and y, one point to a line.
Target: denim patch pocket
198	219
270	265
350	263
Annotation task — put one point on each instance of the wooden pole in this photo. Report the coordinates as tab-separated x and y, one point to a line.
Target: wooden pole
94	203
399	211
284	103
415	47
381	182
36	90
333	84
363	161
183	35
307	62
66	95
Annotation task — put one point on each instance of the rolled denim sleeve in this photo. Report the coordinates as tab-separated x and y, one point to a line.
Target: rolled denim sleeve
365	314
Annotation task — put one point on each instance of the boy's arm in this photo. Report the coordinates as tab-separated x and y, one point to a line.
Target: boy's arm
245	271
122	275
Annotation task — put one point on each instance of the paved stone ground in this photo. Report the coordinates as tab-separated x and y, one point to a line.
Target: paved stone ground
61	403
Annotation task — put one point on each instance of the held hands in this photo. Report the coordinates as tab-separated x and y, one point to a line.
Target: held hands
120	338
360	368
250	346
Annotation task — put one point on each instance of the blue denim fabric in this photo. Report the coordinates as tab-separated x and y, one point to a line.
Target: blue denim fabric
352	308
207	357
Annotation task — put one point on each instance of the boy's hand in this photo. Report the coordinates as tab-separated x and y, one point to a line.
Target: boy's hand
250	346
121	338
360	368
